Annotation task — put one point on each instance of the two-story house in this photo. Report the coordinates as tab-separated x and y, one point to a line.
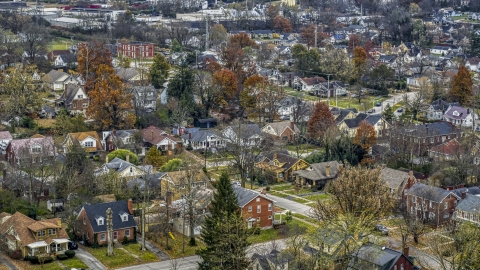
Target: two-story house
460	116
68	60
281	166
396	180
88	140
74	99
172	185
256	209
285	130
331	89
91	222
437	108
203	139
31	237
119	139
380	125
317	174
57	80
31	151
308	84
145	97
468	210
248	135
155	137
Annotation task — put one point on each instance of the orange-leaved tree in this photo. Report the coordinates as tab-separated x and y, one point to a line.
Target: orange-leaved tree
110	104
365	136
462	87
90	56
242	40
226	81
283	24
308	34
320	122
359	60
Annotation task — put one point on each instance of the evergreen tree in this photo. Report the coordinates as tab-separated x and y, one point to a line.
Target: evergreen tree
224	232
475	44
388	113
159	71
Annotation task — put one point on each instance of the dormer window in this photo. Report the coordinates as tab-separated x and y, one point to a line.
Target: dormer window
123	216
100	220
80	96
456	113
89	144
36	149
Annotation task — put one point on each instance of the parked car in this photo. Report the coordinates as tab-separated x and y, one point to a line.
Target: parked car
285	117
371	111
72	245
382	229
378	104
400	110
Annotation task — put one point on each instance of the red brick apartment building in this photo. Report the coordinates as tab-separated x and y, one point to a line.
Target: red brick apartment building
136	49
256	208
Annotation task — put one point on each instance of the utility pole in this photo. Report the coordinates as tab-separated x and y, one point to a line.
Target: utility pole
206	34
316	27
328	89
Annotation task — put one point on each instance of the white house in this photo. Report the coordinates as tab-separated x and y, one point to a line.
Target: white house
203	139
460	116
5	138
244	135
473	63
308	84
442	50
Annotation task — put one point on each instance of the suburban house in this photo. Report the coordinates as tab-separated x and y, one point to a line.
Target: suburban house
124	169
136	49
437	108
343	114
118	139
349	126
317	174
243	135
74	99
153	136
281	166
57	80
91	222
68	60
130	75
5	138
145	97
333	244
150	183
460	116
468	210
289	105
331	89
55	205
284	131
31	151
203	139
87	139
257	209
377	257
32	237
172	185
22	184
273	260
448	151
396	180
205	123
308	84
473	63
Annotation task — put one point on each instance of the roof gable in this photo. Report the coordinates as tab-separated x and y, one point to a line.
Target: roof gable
99	210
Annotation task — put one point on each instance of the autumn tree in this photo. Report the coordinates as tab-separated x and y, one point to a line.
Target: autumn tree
91	56
248	96
109	101
270	14
226	81
217	35
242	40
462	84
236	59
308	34
204	89
365	136
283	24
359	61
320	121
337	62
159	71
22	92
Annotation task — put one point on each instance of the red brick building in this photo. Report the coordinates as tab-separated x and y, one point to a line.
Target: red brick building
257	209
91	224
136	49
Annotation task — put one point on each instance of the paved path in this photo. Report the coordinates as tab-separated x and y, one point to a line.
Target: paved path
162	256
89	259
5	261
291	205
187	263
393	100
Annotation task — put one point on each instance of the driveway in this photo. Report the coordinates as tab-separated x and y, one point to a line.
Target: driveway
162	256
89	259
5	261
291	205
392	101
187	263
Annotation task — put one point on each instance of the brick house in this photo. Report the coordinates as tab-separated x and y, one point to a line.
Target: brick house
74	99
377	257
257	209
284	130
91	223
136	49
38	150
153	136
119	139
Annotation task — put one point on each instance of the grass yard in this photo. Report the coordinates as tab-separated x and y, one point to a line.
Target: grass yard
299	191
367	101
74	263
281	195
299	200
45	123
119	259
59	43
302	217
176	245
27	265
264	236
321	197
281	187
300	94
145	255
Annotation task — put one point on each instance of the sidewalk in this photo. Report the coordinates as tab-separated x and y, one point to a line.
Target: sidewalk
6	261
162	256
89	259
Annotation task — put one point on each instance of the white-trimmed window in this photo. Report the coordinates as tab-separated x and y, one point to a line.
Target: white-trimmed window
445	205
127	233
89	144
103	237
270	217
250	209
259	208
52	231
269	207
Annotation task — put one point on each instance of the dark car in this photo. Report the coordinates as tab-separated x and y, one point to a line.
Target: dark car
382	229
371	111
400	110
378	104
72	245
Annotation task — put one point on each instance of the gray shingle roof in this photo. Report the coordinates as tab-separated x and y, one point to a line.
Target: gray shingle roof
317	171
100	210
393	178
372	119
119	165
430	193
153	181
382	257
437	128
468	190
353	123
244	195
199	136
470	204
126	74
54	75
69	94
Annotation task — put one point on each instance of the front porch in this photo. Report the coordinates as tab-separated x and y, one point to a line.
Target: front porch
57	246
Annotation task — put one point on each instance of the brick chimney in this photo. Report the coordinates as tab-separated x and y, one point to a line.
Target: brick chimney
406	251
384	166
464	194
411	180
275	156
327	170
128	158
130	206
168	198
189	136
292	125
151	135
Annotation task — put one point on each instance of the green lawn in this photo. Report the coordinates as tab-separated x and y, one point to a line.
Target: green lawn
323	196
58	43
302	217
398	105
74	263
300	94
145	255
299	200
264	236
366	103
282	187
119	259
299	191
281	195
176	246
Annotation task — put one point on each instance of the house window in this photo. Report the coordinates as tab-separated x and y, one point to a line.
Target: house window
269	207
431	215
249	209
127	233
100	221
259	208
415	140
88	144
446	216
432	140
257	200
103	237
36	149
431	204
80	96
423	141
446	205
125	218
41	233
84	221
52	232
85	105
74	105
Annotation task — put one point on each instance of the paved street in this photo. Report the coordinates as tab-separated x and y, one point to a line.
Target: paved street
89	260
392	101
291	205
187	263
6	262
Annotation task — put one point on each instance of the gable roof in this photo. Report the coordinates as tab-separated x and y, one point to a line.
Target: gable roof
5	135
449	148
68	57
177	176
430	193
279	127
436	128
246	130
381	257
54	75
154	135
354	122
393	178
46	142
341	114
244	196
69	93
470	204
462	112
100	210
314	80
126	74
373	119
199	136
318	171
80	136
153	181
119	165
286	160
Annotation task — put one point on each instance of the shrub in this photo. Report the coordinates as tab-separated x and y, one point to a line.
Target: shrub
267	188
32	259
48	259
70	253
125	240
62	257
16	255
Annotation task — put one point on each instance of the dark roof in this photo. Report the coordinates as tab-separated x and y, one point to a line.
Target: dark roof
126	74
317	171
372	119
288	160
54	75
68	58
381	257
379	149
100	209
430	193
470	204
469	190
69	94
246	130
353	123
199	136
207	120
245	196
441	105
152	179
394	178
275	257
437	128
